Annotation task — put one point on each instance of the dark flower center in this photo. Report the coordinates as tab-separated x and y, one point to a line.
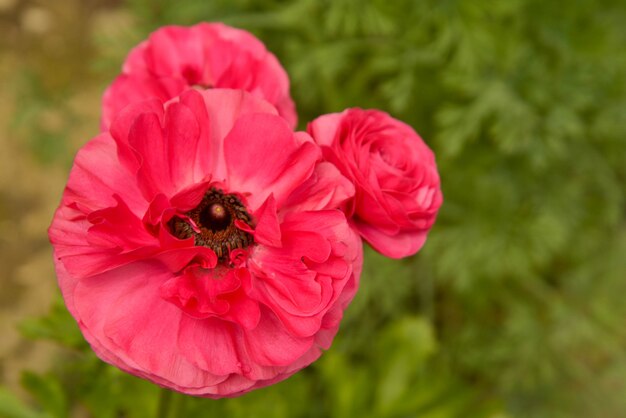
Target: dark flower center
215	216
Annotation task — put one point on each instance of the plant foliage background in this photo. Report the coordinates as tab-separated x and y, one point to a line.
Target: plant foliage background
515	307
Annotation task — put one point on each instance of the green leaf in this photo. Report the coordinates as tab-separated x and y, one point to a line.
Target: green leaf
12	407
58	325
48	393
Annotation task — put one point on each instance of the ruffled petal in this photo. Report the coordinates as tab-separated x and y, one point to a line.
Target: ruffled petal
131	320
324	129
122	124
224	107
82	255
171	153
271	345
267	230
402	244
207	55
174	50
301	280
127	89
210	344
397	187
92	190
325	189
262	157
201	293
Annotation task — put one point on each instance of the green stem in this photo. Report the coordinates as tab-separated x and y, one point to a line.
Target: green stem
165	401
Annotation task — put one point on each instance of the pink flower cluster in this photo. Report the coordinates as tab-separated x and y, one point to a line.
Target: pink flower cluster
202	243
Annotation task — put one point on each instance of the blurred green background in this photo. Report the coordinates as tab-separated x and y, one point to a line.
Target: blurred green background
515	307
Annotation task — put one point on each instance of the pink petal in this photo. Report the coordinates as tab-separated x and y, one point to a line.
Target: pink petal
224	107
269	343
402	244
135	61
177	259
190	197
80	257
262	157
244	311
325	189
124	121
267	230
172	157
174	50
125	315
91	189
213	55
188	156
324	128
198	292
127	89
146	138
210	345
117	226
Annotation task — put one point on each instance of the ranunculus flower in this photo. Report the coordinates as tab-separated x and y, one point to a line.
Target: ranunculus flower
198	244
207	55
397	184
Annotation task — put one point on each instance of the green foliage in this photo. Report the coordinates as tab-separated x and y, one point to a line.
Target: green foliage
47	392
514	307
12	407
58	326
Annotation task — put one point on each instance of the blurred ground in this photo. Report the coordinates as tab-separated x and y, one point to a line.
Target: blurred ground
29	193
35	46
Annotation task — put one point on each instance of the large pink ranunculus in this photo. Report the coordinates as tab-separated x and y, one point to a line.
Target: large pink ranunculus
198	244
397	184
207	55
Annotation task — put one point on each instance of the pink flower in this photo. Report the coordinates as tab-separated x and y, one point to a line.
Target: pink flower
397	185
207	55
197	244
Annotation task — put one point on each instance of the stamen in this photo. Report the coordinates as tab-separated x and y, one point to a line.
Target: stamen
215	216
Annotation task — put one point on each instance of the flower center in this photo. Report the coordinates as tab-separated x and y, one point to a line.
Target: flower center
215	219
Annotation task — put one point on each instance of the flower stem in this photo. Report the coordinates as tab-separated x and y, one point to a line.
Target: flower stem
165	401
